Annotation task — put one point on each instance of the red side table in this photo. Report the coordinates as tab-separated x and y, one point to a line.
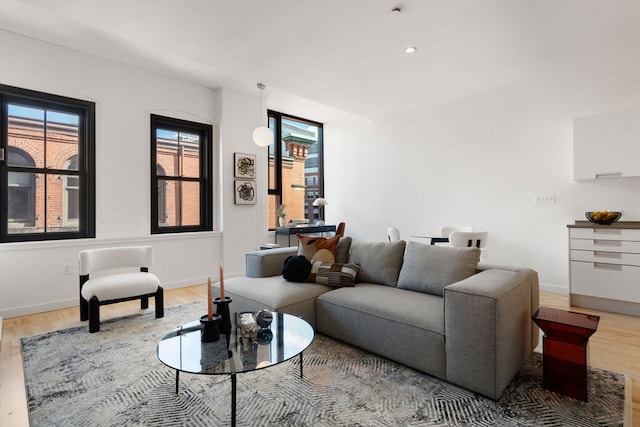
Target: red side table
564	348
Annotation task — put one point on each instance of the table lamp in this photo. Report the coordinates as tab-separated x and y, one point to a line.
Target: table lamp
321	203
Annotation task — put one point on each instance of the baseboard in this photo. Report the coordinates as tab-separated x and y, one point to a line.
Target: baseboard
73	302
554	289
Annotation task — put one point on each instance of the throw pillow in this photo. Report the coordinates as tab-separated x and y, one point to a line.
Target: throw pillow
336	274
296	268
318	248
429	268
380	262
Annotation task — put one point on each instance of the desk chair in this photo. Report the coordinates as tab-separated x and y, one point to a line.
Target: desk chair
115	282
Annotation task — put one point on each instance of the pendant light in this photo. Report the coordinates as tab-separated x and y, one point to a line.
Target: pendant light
262	135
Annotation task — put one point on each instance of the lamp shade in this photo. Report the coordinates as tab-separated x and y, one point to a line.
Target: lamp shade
262	136
320	202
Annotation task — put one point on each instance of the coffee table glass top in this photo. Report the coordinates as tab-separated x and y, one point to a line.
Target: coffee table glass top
182	349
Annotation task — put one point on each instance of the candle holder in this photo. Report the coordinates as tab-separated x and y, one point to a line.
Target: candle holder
209	332
222	308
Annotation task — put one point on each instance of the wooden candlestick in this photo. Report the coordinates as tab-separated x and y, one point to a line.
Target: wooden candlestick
209	300
221	284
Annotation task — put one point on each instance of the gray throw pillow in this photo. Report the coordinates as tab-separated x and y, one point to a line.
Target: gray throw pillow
380	262
429	268
342	250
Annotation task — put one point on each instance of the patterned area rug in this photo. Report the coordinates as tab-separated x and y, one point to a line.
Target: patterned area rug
113	378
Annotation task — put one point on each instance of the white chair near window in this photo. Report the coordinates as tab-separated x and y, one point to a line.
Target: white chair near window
121	274
393	233
469	239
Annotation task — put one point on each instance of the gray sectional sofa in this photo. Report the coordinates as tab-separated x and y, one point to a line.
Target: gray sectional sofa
432	308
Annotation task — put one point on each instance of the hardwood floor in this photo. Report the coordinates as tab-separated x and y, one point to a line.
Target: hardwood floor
614	347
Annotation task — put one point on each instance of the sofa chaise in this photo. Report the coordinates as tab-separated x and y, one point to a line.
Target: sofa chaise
432	308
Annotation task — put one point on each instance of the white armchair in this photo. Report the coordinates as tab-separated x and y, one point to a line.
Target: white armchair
115	282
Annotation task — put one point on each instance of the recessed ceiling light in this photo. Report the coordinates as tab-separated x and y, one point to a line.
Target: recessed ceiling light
411	49
396	11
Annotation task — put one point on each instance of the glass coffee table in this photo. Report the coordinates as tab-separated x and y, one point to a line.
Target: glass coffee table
287	336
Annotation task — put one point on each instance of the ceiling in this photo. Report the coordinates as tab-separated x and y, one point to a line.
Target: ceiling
345	56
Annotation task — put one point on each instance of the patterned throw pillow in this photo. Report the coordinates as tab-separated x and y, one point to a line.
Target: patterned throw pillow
333	274
318	248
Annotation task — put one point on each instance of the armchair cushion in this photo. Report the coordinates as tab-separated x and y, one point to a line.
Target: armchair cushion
123	285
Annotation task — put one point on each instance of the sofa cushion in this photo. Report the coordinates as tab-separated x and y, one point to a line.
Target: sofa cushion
336	274
380	262
318	248
429	268
342	249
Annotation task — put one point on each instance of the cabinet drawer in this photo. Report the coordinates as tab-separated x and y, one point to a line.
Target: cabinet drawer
606	257
619	282
605	245
604	233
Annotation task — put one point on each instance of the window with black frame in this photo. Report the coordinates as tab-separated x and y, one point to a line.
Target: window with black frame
295	167
47	166
181	182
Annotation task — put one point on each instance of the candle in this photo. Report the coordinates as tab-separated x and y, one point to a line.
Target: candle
209	301
221	284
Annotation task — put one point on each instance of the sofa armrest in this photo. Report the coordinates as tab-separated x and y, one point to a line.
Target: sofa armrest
268	262
488	327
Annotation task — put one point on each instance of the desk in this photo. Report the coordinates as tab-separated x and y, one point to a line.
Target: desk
302	229
564	350
433	238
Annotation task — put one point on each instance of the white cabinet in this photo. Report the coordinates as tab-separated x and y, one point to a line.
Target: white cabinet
607	145
605	268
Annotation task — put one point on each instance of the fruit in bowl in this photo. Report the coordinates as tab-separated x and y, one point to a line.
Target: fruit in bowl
603	217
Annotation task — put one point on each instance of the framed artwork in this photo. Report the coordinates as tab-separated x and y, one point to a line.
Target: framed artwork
245	192
244	165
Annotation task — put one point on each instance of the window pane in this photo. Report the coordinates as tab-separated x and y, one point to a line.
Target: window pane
172	204
167	152
62	139
299	168
272	159
191	203
190	155
21	201
26	133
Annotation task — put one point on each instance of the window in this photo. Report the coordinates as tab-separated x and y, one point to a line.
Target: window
47	173
295	168
181	184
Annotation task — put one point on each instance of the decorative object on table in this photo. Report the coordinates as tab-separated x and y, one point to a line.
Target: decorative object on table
222	308
320	203
244	166
603	217
281	214
248	329
210	331
245	192
264	336
264	318
296	268
209	321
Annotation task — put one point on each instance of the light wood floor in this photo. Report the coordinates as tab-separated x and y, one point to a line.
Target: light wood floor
614	347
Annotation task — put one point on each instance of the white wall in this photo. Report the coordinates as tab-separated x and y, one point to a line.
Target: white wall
480	161
32	275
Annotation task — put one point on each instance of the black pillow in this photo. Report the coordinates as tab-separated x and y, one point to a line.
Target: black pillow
297	268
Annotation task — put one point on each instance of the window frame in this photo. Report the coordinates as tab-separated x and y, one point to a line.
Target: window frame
85	110
277	189
205	131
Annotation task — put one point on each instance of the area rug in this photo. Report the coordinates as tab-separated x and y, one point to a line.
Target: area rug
113	378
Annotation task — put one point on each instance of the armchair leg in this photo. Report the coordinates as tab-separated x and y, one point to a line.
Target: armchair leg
144	302
94	315
84	309
159	299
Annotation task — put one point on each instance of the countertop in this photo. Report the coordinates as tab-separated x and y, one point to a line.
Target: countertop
632	225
